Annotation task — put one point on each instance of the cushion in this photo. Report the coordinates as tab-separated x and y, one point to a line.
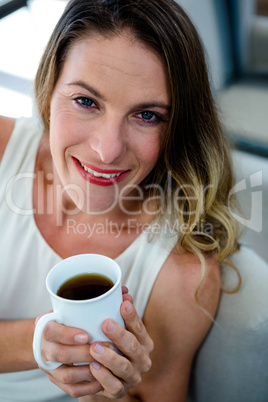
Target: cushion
232	363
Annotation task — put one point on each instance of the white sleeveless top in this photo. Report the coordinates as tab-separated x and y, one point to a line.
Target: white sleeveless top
26	258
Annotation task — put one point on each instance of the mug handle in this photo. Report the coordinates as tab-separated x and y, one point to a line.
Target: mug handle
40	326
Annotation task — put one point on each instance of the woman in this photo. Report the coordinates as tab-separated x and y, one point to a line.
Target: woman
131	163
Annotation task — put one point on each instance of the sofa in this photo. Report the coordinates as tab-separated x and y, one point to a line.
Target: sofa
232	363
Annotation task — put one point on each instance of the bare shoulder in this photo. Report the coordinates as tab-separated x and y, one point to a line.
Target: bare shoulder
6	128
176	287
187	272
178	323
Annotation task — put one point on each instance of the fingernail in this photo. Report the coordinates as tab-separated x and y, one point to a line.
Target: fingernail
98	349
96	365
81	338
129	307
111	327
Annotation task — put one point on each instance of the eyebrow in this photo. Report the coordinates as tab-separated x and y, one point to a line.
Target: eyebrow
146	105
150	105
89	88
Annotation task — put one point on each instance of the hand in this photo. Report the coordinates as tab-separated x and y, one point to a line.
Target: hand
117	373
68	345
110	374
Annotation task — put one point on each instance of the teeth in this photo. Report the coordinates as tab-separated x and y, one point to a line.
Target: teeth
97	174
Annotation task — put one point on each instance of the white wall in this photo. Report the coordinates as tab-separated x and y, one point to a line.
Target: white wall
203	15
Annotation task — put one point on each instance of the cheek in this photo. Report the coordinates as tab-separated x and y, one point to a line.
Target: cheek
63	122
151	150
63	133
151	157
147	157
59	142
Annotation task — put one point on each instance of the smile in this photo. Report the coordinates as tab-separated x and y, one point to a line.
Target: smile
99	177
97	174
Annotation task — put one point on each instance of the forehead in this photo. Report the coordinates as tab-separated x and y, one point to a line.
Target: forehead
120	60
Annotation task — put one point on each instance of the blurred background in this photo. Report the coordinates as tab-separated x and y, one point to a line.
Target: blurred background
235	36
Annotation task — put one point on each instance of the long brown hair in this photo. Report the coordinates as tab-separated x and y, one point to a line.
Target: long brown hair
195	161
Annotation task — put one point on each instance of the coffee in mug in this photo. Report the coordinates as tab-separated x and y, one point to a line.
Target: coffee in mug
85	286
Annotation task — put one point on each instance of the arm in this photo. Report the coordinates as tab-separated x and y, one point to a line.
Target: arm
16	346
6	128
177	325
15	350
16	338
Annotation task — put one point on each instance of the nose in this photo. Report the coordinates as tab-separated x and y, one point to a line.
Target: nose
108	139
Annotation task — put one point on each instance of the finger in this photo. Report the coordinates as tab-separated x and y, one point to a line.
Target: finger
78	390
116	364
71	374
124	290
58	333
112	386
128	344
127	297
135	325
66	354
66	345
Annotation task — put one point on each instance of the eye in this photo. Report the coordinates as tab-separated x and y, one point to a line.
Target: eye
149	117
85	102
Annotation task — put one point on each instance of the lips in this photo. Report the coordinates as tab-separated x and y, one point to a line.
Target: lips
99	176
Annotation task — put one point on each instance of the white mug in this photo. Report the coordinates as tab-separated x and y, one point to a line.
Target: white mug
84	314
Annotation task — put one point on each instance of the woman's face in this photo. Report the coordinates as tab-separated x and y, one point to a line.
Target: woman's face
108	116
